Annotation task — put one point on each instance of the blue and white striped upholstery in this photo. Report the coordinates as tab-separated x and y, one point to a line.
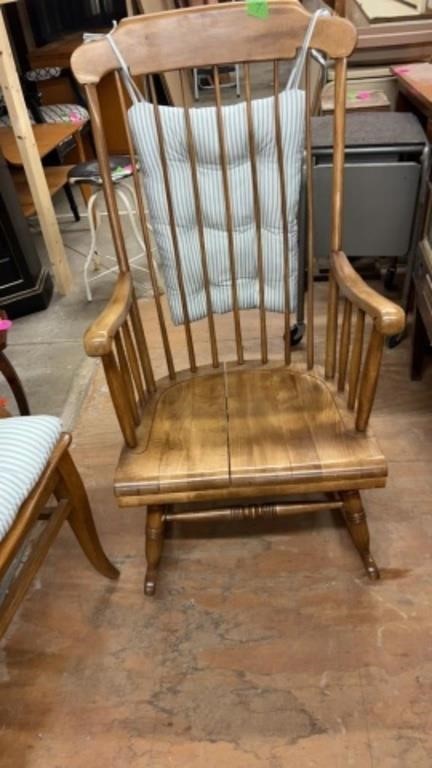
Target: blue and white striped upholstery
26	443
64	113
54	113
205	133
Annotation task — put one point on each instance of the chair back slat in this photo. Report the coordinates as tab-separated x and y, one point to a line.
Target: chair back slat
173	228
310	257
105	171
356	359
134	365
338	155
142	347
284	219
228	215
116	388
369	379
149	251
336	211
200	223
257	214
125	374
344	345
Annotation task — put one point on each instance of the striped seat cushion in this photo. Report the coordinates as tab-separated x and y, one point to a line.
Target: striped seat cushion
54	113
209	171
26	443
64	113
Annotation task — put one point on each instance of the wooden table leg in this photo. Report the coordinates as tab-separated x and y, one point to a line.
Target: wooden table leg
11	376
420	342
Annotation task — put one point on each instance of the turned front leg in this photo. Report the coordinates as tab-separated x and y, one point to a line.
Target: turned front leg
154	545
355	518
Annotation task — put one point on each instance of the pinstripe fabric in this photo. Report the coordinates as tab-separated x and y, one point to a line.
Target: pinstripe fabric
204	129
26	443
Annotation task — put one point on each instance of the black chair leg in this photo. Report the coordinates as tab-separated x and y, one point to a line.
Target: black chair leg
72	203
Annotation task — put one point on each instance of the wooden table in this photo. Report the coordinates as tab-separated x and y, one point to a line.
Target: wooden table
47	135
415	83
56	176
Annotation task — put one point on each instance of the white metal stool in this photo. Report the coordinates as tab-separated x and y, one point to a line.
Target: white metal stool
88	173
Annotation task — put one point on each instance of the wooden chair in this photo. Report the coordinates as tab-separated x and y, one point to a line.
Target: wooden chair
258	434
10	374
48	471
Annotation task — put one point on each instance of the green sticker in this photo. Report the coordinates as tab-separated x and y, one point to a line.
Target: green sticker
258	8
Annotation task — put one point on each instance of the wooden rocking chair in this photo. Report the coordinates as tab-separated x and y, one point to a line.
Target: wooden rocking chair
255	435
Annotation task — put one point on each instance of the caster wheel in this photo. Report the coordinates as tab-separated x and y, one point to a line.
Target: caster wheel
389	278
297	333
393	341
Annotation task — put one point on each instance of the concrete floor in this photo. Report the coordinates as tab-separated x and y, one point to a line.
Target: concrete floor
265	646
46	347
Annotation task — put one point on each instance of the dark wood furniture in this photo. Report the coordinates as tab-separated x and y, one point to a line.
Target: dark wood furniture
25	284
55	54
47	136
422	324
225	435
388	42
10	374
415	85
60	480
58	54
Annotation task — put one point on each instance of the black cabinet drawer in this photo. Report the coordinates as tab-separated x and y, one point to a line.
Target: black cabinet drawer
10	274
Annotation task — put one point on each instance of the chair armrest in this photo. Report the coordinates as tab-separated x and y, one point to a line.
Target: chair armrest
98	339
388	317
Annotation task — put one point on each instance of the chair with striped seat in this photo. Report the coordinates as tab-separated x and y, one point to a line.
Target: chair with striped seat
35	465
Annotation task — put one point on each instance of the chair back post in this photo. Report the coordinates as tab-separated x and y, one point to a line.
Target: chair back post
337	212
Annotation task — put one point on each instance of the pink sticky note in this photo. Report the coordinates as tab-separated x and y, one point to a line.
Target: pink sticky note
363	95
401	70
5	325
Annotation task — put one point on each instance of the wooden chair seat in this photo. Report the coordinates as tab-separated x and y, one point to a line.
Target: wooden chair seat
241	428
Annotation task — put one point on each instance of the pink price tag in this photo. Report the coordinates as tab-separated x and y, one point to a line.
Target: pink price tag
401	70
5	325
363	95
